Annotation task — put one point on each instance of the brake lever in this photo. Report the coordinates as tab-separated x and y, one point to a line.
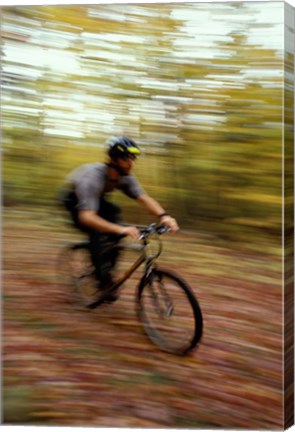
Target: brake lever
162	229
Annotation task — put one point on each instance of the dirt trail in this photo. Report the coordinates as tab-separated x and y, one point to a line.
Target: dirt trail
72	367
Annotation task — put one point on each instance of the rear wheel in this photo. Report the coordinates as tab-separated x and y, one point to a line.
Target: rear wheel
169	312
76	273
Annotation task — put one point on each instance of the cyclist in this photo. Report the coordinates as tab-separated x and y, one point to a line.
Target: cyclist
85	199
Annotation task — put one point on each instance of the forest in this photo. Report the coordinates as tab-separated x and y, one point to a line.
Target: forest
197	87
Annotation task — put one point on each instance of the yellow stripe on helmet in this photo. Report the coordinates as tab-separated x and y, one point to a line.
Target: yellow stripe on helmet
133	150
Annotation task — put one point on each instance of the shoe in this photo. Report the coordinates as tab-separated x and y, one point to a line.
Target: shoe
111	298
112	292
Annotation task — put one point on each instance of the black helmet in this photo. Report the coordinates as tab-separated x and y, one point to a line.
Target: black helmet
120	147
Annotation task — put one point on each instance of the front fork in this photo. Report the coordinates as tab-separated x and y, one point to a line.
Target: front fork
159	295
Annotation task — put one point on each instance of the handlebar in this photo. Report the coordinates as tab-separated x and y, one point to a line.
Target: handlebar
153	229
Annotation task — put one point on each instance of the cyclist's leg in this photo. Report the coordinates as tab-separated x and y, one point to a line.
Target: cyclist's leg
103	261
103	253
112	213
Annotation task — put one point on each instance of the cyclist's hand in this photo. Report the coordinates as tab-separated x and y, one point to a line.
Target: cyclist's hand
132	232
170	223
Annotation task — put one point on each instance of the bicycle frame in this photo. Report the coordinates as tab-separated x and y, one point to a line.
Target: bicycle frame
144	257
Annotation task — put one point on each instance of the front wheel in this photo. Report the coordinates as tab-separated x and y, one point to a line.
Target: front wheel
169	312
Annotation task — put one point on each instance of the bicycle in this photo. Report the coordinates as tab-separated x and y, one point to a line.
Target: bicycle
166	305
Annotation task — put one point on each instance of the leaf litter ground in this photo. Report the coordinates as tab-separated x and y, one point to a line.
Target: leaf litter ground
67	366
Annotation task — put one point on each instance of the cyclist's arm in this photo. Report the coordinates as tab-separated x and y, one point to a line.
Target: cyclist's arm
90	219
157	210
87	192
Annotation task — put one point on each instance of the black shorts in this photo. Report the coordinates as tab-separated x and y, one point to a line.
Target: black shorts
107	210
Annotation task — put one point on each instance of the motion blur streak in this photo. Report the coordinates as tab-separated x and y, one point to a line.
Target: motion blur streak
200	87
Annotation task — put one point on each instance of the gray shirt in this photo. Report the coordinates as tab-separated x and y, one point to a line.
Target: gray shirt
90	183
